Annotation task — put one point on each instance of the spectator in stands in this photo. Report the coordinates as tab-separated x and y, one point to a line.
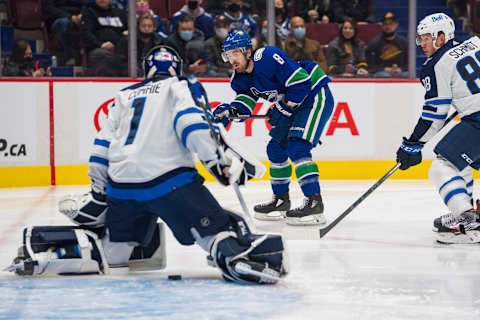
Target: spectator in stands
190	44
21	63
142	7
213	47
261	39
387	53
282	22
203	21
147	38
299	47
216	7
240	20
346	53
102	27
261	7
314	11
64	16
359	10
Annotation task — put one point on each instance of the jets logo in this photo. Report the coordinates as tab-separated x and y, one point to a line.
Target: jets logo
270	95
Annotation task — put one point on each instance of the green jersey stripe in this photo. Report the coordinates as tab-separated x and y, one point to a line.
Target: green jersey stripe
248	101
298	76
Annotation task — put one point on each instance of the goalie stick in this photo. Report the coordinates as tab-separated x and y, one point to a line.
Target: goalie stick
325	230
199	93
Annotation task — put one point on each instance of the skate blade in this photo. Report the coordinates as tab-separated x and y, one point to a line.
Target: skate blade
470	237
314	219
268	276
272	216
14	266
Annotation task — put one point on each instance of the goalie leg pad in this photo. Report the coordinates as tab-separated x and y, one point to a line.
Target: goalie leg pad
245	257
60	250
153	255
264	261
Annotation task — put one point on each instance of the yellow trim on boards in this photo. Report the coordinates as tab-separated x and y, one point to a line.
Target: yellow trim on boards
25	176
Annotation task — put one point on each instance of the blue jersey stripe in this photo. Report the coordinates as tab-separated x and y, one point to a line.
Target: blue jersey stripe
184	112
434	116
439	102
470	184
103	143
190	129
98	160
159	190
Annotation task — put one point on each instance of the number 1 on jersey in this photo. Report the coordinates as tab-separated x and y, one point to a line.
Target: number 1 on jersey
137	105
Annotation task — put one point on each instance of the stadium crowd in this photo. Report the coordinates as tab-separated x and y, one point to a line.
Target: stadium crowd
342	36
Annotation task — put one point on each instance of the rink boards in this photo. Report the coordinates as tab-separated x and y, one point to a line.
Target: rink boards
47	127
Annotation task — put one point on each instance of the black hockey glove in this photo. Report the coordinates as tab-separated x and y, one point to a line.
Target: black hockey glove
409	154
223	112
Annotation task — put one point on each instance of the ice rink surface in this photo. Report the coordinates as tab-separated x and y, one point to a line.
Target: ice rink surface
381	262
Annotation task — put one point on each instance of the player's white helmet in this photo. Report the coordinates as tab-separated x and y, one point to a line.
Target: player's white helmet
435	23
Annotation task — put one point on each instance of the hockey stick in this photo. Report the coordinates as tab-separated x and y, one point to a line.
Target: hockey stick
244	116
200	92
325	230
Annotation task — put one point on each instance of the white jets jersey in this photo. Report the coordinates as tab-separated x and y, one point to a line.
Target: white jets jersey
152	128
451	77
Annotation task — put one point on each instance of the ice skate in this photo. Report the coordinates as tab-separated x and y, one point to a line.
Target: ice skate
21	265
274	209
463	229
310	213
448	218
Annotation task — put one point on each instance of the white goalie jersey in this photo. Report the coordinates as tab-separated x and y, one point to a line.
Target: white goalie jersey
151	129
451	77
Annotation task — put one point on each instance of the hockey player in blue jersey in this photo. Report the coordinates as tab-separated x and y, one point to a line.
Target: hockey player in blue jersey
450	76
302	105
142	168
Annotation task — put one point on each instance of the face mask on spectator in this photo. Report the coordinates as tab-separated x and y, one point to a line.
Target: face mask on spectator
192	5
233	7
299	32
186	35
221	33
389	34
264	32
142	10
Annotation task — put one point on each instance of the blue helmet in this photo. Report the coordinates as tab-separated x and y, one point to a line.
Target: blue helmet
234	40
162	60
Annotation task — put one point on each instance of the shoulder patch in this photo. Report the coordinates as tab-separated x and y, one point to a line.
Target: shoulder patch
258	54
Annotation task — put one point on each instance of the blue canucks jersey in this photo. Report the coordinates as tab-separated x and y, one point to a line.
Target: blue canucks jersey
276	77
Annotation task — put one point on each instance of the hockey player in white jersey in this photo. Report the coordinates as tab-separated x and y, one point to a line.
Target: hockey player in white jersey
142	164
451	77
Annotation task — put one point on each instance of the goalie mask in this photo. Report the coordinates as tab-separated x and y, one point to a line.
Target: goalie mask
162	60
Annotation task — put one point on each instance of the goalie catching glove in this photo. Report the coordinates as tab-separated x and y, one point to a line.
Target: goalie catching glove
87	209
